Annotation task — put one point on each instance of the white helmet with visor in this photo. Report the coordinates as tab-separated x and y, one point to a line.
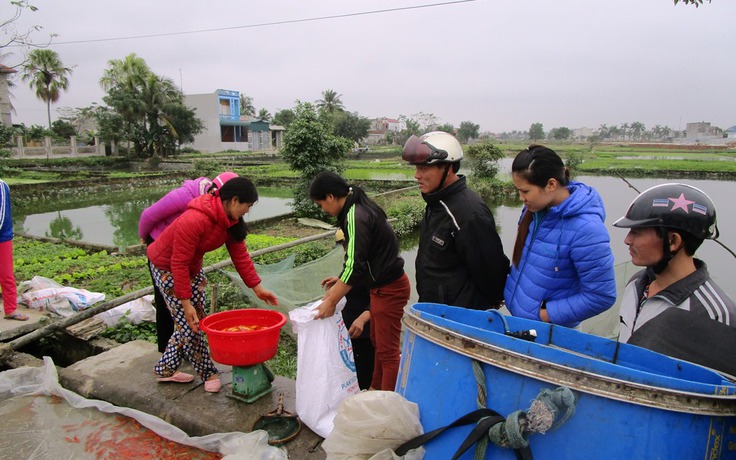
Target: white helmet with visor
433	147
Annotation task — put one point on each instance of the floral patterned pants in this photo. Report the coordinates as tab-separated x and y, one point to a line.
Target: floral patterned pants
184	342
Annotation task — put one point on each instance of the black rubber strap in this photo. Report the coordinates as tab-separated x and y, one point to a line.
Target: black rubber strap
489	418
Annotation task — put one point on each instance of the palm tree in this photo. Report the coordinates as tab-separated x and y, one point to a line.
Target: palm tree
637	128
264	115
126	77
47	75
128	73
330	102
246	105
157	92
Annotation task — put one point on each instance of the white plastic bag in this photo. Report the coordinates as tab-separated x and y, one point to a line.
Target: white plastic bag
46	294
325	367
136	311
371	424
46	435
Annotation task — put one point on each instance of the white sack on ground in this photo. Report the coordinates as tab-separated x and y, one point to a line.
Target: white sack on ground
46	294
371	424
135	311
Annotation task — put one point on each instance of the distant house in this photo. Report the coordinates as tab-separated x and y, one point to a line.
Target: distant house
731	132
702	130
381	126
226	129
6	108
582	134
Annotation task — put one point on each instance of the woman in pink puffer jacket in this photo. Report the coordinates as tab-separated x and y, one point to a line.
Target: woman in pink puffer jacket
154	220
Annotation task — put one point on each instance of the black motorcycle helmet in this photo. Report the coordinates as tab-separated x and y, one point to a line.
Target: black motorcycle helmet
672	206
679	206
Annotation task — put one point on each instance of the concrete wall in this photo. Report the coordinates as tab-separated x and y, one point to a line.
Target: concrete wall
207	108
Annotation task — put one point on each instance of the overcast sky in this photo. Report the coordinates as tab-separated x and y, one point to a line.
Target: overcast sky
499	63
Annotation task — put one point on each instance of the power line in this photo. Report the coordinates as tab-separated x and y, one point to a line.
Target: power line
266	24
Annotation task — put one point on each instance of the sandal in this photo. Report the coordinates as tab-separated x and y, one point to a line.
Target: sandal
18	316
212	386
178	377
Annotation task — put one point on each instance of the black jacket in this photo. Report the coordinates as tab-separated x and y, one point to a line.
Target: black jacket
372	255
460	261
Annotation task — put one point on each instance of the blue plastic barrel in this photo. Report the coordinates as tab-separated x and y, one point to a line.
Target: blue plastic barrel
629	402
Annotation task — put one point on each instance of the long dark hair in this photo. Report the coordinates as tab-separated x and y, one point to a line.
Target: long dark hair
246	192
536	164
330	183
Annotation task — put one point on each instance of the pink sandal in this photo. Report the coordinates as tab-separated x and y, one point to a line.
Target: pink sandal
178	377
212	386
18	316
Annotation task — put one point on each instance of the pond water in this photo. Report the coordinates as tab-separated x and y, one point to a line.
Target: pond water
114	222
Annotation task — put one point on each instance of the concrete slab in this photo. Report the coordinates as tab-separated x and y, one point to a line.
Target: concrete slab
10	328
124	376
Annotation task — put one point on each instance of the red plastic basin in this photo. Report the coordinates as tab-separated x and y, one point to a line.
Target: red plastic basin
243	348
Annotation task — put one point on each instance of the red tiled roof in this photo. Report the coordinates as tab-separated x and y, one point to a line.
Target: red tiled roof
6	69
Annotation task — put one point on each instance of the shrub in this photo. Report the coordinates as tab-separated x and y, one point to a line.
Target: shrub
484	158
207	168
408	215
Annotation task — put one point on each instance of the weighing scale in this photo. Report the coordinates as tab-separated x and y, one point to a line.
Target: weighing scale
251	382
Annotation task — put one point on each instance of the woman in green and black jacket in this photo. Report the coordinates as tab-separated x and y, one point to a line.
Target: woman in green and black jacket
372	260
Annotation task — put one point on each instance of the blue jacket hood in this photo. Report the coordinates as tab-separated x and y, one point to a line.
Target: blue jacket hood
583	200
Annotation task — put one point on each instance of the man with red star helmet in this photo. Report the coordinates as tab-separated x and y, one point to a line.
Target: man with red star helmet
673	306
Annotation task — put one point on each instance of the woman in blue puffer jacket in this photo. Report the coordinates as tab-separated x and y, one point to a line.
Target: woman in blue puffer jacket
562	265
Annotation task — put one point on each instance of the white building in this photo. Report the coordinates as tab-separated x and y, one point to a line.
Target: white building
226	129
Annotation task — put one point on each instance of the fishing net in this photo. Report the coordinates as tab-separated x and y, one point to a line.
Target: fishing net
607	323
294	286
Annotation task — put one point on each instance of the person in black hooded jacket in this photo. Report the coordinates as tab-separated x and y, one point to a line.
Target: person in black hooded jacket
372	261
460	261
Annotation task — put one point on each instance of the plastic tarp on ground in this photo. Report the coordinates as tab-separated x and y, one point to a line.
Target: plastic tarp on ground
41	419
294	286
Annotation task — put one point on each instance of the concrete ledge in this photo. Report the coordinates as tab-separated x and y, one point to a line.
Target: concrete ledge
124	376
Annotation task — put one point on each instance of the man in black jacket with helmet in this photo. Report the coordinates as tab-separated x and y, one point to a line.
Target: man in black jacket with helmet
460	260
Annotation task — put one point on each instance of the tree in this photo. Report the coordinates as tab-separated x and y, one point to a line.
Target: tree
12	36
484	157
446	127
110	124
351	126
468	130
424	122
536	131
284	117
151	106
309	148
330	102
47	76
63	129
264	115
561	133
412	127
637	129
697	3
185	123
246	105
